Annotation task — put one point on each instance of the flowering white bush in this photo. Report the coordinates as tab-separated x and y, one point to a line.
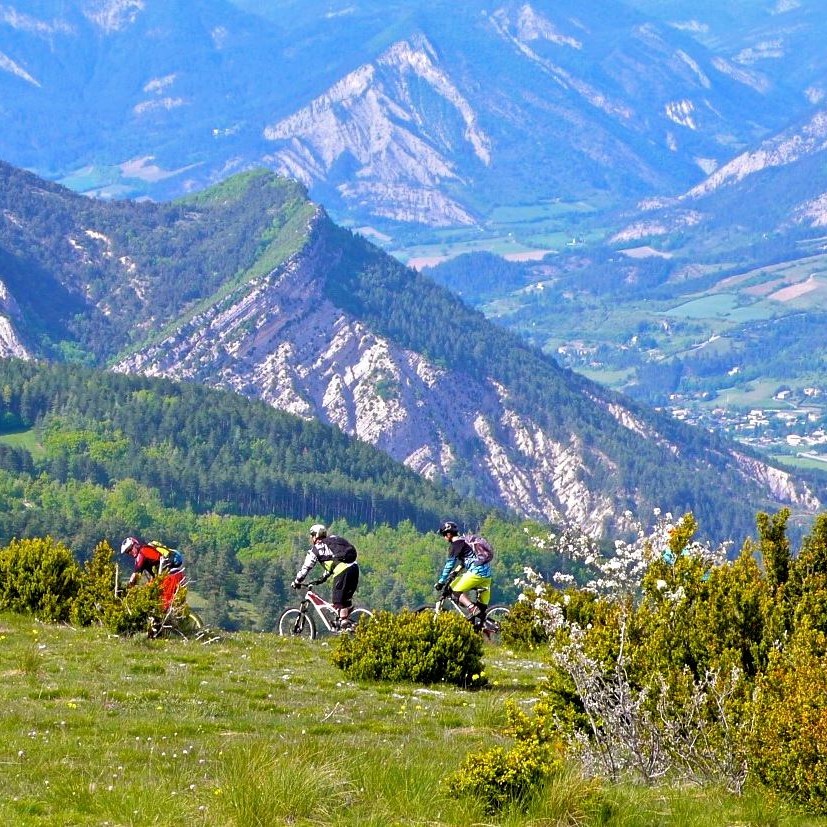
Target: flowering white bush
618	576
634	728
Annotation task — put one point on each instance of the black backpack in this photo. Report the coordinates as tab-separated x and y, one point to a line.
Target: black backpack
342	550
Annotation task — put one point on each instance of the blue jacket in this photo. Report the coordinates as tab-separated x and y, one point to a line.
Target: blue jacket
461	554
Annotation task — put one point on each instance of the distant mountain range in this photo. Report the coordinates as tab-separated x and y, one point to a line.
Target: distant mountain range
533	118
250	286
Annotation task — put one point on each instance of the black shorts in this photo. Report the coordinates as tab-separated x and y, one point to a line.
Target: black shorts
344	587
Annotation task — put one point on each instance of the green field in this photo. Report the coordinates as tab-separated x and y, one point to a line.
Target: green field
27	439
253	729
508	230
755	394
804	462
727	306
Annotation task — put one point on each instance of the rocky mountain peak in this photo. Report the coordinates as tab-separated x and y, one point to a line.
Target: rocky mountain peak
282	339
373	118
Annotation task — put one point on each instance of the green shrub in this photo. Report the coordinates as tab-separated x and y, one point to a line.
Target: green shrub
413	647
96	593
38	576
500	777
523	627
134	613
786	747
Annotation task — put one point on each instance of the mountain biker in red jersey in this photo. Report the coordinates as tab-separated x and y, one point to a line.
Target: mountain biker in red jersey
150	561
147	559
462	573
324	551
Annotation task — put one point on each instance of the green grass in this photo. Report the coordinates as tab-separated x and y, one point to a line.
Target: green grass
758	393
23	439
254	729
612	378
795	461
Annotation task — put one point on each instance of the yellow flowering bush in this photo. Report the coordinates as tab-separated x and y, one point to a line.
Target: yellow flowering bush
38	576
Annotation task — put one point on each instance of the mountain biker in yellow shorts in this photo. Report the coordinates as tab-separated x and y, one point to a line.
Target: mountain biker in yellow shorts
462	561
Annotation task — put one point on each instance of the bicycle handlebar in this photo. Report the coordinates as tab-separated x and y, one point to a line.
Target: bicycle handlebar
310	584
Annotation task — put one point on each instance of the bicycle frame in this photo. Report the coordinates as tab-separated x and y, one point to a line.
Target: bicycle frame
449	599
325	610
298	621
452	600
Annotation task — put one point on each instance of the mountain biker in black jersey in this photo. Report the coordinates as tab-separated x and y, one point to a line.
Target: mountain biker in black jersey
337	557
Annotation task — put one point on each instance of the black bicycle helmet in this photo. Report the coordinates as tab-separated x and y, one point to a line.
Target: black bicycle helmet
448	527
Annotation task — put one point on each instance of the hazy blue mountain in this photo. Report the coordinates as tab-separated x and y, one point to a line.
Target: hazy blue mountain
658	148
782	42
396	115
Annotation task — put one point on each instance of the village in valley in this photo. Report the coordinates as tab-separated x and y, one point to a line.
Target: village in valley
791	426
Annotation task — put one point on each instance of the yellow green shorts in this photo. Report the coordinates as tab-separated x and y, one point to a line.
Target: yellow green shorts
467	581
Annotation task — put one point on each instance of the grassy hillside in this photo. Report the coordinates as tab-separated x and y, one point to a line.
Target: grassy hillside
256	729
93	278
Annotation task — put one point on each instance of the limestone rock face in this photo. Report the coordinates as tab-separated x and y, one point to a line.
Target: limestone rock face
282	340
10	342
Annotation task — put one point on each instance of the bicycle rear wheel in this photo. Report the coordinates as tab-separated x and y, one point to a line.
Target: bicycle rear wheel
296	623
493	619
359	616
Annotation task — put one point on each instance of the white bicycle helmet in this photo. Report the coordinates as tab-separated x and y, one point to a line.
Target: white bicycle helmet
318	531
128	544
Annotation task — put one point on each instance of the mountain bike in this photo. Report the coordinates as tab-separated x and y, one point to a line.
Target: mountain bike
175	618
299	622
180	621
449	600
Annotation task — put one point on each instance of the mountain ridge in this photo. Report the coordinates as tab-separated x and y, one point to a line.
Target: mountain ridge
437	87
315	319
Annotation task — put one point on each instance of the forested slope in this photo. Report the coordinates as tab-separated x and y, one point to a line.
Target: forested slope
88	456
208	450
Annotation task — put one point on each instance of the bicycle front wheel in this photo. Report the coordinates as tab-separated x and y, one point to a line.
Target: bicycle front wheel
296	623
493	620
195	622
189	625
